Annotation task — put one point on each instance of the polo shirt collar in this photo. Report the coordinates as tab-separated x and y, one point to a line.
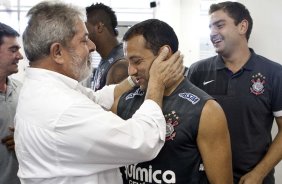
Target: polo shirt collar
248	66
11	86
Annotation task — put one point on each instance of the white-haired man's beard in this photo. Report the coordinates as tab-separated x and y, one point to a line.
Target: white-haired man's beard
81	67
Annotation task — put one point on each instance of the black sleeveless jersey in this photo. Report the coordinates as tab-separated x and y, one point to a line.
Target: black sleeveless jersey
179	161
100	76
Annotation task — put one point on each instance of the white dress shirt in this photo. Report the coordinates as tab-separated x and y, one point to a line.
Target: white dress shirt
63	137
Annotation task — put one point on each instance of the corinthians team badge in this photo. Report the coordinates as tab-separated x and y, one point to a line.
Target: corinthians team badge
171	122
257	86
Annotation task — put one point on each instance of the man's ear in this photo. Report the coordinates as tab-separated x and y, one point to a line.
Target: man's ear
169	53
56	52
244	25
100	27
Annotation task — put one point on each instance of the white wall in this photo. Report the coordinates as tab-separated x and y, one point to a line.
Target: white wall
182	15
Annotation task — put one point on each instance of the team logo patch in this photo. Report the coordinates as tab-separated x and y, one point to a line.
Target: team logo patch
257	84
138	92
190	97
171	121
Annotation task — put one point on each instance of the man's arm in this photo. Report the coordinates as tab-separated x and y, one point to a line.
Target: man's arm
121	88
270	160
214	144
118	72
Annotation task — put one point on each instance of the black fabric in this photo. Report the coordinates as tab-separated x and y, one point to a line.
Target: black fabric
179	161
100	76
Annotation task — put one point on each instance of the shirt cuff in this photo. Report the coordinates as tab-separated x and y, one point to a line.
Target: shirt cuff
277	113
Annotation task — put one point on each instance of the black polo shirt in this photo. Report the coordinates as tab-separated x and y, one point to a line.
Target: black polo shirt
250	98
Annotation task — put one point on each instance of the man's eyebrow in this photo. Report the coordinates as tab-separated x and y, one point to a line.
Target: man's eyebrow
135	57
216	22
84	35
15	47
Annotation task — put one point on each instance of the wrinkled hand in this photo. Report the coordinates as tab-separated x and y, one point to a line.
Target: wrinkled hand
251	178
9	140
167	71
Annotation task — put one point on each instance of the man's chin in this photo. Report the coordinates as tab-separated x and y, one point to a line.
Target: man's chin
84	75
218	50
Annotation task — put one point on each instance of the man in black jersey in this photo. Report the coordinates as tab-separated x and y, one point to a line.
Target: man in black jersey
101	24
197	148
248	87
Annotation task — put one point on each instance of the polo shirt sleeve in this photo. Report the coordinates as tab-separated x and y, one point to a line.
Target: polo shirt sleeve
277	95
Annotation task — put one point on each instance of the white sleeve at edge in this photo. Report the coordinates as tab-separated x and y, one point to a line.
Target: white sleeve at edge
277	114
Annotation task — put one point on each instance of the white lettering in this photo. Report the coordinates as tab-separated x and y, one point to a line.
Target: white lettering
171	178
142	175
155	176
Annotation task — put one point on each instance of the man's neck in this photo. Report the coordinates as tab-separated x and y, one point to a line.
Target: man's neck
237	60
3	84
171	88
106	49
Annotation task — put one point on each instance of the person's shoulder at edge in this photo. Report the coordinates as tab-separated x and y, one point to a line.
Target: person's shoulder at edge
201	64
117	72
267	62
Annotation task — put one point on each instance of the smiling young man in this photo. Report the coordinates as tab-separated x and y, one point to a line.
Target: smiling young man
197	148
9	93
248	87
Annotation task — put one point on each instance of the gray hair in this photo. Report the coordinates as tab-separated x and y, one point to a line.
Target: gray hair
50	22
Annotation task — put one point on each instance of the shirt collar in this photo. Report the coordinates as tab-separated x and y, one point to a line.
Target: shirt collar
43	74
248	66
12	85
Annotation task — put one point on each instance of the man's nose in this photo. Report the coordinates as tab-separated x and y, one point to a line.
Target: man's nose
132	70
91	46
19	56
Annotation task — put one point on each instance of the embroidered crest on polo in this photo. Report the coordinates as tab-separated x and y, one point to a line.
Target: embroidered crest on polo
171	121
190	97
138	92
257	85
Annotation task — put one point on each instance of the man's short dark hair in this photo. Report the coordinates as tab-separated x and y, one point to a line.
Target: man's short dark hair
156	33
104	14
236	11
7	31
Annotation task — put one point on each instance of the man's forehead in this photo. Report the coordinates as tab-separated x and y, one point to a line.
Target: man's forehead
10	40
81	30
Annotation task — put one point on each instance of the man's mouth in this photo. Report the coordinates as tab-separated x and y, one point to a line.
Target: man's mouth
216	38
